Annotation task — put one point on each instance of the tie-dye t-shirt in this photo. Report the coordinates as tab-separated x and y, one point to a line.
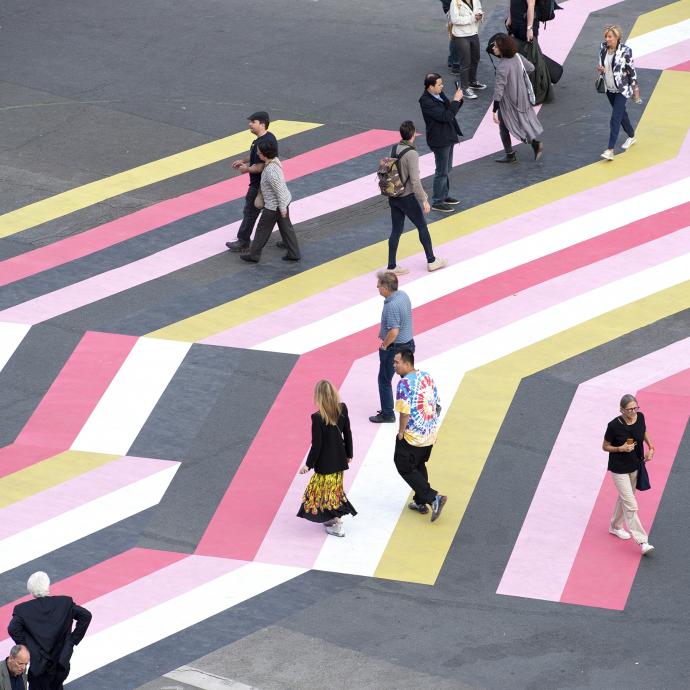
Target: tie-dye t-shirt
417	396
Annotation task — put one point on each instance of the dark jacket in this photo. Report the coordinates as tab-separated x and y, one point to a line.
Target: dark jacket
331	446
5	682
442	129
44	626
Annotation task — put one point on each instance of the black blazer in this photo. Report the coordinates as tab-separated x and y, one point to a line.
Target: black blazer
442	129
331	446
44	626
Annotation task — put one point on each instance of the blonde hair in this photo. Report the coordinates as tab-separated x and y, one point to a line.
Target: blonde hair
615	30
327	399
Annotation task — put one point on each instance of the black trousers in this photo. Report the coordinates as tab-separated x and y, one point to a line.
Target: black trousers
410	461
468	50
52	680
402	206
249	215
264	229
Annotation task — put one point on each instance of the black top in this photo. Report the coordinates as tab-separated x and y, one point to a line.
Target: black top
331	445
255	178
442	129
44	626
616	433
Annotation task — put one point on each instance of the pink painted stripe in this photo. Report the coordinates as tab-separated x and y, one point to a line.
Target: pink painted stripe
666	57
76	492
157	588
550	536
104	577
683	67
358	289
295	542
70	400
604	570
171	210
16	457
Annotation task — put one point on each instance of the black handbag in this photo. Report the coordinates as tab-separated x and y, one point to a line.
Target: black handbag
601	84
642	477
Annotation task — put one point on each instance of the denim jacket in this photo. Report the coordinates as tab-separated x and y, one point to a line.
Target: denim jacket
622	66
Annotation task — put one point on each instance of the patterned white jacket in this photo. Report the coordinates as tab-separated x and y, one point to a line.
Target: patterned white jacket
622	66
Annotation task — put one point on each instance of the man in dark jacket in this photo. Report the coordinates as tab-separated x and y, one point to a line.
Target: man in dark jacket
442	132
44	626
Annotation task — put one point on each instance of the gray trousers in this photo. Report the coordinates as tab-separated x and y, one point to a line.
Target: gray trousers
468	50
264	229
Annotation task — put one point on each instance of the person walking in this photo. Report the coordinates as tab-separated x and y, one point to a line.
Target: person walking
513	112
276	198
465	16
413	203
417	402
44	626
620	79
252	164
13	675
324	499
395	334
623	441
523	20
442	132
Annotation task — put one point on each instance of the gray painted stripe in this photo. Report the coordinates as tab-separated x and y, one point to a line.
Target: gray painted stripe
205	681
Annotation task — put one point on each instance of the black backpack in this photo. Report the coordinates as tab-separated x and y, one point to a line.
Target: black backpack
546	9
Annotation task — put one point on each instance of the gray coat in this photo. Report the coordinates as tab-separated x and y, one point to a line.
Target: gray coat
5	683
510	91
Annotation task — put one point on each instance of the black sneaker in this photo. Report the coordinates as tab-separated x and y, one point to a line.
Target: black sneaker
249	259
477	85
443	207
437	506
380	418
419	507
237	246
451	200
287	257
508	158
281	245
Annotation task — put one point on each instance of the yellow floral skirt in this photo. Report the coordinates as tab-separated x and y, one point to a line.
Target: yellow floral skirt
324	498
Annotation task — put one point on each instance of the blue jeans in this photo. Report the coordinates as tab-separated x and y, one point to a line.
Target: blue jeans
453	59
444	164
386	372
619	117
402	206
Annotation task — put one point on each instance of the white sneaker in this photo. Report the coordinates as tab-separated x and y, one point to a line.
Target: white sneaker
468	93
608	154
438	263
646	548
336	530
398	270
628	143
620	533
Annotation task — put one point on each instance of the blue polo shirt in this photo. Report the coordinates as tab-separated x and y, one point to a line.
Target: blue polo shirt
397	313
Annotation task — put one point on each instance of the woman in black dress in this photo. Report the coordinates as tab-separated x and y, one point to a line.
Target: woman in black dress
623	441
324	499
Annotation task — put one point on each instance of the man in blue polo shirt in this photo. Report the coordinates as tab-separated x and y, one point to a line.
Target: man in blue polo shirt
395	334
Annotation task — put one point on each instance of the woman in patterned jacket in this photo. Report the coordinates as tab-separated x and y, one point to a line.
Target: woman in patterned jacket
617	68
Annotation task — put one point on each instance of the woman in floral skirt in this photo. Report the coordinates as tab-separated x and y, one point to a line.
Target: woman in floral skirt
324	499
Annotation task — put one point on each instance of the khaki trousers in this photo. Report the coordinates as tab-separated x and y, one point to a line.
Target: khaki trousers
626	506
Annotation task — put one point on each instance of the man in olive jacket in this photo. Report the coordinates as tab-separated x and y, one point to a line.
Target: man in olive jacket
442	132
44	626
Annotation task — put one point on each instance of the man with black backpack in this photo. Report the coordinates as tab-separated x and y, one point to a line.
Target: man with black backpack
410	201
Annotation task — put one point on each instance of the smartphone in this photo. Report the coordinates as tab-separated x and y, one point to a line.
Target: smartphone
457	84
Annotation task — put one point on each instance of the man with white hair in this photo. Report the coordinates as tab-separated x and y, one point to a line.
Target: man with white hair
44	626
13	671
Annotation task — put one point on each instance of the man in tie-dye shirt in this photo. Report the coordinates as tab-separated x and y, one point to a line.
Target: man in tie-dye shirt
417	402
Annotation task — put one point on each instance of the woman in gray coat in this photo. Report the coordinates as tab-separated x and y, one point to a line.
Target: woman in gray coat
513	112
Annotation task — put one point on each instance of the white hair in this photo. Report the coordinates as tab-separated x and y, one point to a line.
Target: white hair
38	584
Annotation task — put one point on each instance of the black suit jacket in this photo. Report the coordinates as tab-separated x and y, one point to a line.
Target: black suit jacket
442	129
331	446
44	626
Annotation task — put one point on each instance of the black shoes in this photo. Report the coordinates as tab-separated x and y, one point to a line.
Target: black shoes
451	200
281	245
287	257
538	149
421	508
477	85
437	506
508	158
248	258
237	246
379	418
443	207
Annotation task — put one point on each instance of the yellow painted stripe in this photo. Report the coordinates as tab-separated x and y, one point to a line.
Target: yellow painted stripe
141	176
659	138
664	16
474	419
48	473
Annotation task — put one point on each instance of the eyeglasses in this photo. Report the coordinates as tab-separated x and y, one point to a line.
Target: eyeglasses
631	409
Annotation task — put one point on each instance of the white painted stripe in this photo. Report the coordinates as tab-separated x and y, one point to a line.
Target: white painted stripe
441	283
11	335
205	681
178	613
78	523
131	396
659	39
377	484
